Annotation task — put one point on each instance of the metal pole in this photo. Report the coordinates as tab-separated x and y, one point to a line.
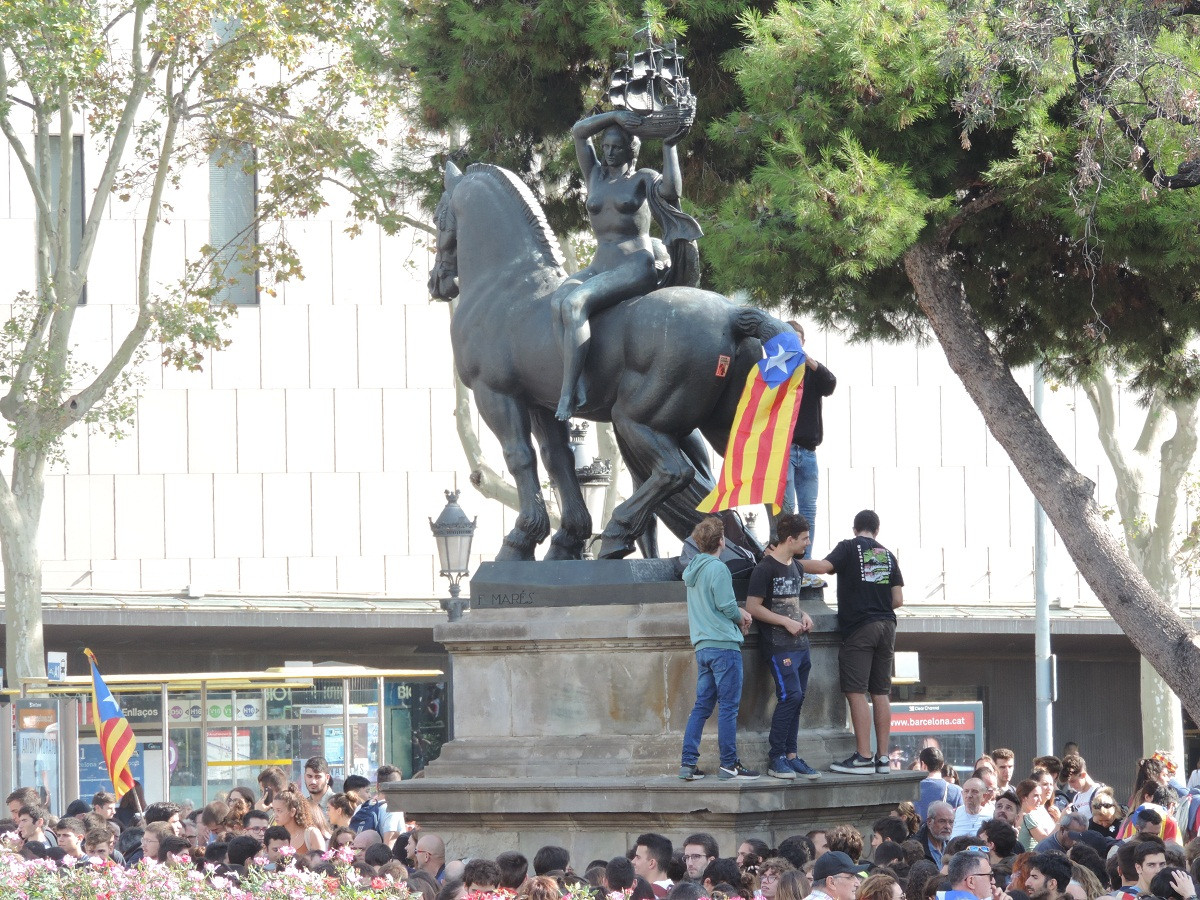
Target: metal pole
381	742
166	742
204	743
1043	663
347	740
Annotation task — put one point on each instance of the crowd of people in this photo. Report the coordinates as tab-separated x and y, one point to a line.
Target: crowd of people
281	824
1052	835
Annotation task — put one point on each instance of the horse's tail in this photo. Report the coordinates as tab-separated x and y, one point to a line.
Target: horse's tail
752	322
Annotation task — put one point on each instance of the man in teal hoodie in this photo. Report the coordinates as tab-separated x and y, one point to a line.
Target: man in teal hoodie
717	628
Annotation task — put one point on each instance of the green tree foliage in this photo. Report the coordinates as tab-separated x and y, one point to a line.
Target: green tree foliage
514	76
1051	142
277	89
1013	175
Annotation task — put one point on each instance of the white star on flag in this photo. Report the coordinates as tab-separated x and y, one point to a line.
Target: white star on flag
779	359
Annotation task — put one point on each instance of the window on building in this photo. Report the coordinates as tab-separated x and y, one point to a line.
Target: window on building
232	189
77	209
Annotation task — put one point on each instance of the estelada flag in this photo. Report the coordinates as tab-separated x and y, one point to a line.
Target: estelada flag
116	737
761	437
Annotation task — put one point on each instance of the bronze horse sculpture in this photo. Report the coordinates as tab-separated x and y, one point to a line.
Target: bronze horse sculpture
664	368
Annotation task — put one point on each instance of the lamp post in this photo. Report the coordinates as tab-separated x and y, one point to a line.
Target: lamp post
453	532
594	479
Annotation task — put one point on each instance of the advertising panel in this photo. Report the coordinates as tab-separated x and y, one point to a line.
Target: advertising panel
954	728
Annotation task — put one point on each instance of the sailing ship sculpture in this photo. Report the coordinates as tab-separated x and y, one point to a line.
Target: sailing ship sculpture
651	83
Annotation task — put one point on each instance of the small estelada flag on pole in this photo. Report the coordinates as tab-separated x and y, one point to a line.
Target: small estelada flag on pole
116	737
754	470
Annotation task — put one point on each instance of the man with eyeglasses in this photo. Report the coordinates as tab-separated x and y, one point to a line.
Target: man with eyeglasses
698	851
255	823
835	877
431	856
970	874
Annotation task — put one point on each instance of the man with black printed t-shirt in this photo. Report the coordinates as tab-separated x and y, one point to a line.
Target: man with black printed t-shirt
869	590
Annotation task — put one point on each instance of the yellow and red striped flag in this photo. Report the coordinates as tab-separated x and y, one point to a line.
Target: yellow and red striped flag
116	737
754	470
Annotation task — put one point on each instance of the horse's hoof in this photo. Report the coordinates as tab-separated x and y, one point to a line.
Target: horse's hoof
612	548
512	553
559	552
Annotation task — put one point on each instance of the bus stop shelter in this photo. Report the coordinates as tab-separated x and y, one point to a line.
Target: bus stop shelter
199	734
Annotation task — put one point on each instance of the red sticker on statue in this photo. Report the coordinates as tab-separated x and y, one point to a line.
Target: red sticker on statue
722	366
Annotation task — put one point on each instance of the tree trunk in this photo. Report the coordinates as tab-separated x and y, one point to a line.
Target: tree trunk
25	646
1155	629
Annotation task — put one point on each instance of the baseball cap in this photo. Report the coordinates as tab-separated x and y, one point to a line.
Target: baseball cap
835	862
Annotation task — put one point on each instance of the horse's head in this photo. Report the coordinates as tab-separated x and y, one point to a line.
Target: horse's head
443	280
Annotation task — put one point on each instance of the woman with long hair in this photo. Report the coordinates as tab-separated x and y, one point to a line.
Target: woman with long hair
907	812
271	781
752	847
769	874
1036	824
342	808
240	790
1152	769
1046	782
293	813
231	825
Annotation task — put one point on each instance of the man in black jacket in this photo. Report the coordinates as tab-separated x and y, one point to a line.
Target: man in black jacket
802	474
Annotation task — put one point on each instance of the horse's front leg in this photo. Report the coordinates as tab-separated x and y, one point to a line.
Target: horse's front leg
553	437
670	472
509	421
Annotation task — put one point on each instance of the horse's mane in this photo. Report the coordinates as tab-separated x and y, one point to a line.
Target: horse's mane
543	236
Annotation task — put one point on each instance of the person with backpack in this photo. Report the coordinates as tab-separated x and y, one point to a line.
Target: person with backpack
371	814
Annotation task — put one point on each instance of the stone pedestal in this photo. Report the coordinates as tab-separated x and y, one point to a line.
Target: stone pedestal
568	725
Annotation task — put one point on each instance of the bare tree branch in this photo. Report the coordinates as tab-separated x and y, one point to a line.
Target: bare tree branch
18	146
1100	391
972	208
1175	457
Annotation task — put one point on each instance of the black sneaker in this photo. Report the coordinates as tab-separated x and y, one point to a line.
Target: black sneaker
737	772
883	765
690	773
855	765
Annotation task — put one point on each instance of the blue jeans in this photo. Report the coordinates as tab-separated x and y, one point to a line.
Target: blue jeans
800	495
718	683
789	670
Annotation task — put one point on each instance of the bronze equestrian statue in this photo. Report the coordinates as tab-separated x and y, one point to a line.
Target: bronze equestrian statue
664	367
634	340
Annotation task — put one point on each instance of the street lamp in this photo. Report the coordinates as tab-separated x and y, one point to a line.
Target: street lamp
453	532
594	479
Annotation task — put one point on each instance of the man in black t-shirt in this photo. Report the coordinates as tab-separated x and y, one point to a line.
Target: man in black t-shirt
773	600
869	590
